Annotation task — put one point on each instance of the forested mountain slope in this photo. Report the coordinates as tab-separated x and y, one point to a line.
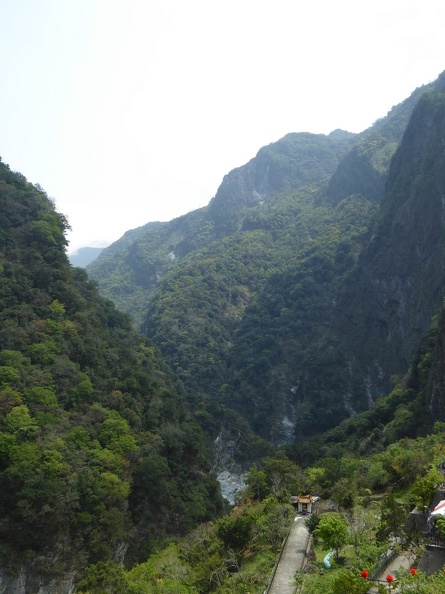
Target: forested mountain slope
99	456
364	169
380	307
129	272
258	301
284	306
399	281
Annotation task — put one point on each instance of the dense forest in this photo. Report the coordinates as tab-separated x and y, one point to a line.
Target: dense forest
98	450
260	301
294	325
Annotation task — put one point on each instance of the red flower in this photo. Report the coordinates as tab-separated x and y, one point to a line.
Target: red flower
413	571
389	578
364	574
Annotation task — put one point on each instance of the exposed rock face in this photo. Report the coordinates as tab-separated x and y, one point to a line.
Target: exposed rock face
231	483
42	577
397	286
293	161
26	581
283	431
229	472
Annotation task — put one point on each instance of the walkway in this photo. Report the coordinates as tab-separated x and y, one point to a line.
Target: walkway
291	560
433	559
400	562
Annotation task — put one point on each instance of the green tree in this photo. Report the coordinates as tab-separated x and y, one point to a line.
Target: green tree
274	523
440	525
333	530
283	477
349	582
315	477
256	482
235	530
311	522
344	493
392	517
104	577
19	421
425	486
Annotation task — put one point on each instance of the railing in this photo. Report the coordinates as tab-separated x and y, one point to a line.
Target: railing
274	571
383	565
283	546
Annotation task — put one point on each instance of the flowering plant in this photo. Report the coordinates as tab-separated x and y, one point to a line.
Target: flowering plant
390	580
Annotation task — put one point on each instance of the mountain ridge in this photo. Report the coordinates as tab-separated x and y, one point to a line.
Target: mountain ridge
283	318
296	215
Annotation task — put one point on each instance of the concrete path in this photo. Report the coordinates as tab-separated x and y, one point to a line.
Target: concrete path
400	562
431	561
292	559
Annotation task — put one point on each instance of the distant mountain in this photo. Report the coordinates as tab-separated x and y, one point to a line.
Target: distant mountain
129	271
84	256
303	307
279	299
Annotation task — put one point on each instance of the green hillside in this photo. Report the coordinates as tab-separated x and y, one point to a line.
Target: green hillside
98	450
260	301
295	326
129	272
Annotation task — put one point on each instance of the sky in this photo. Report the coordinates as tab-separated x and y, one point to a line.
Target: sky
131	111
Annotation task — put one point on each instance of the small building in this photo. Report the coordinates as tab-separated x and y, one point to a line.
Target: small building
304	504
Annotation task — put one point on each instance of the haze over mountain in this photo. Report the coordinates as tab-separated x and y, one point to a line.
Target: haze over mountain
301	309
84	256
260	300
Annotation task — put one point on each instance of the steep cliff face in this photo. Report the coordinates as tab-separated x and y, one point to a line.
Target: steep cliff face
398	285
230	473
344	339
364	169
292	162
434	401
29	581
277	300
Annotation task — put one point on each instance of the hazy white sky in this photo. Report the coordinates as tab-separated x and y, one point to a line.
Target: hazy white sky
130	111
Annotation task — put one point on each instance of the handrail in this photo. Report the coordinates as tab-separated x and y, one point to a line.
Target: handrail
383	565
274	571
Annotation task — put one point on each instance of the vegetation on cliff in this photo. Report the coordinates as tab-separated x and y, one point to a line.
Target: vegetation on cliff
97	448
260	301
285	310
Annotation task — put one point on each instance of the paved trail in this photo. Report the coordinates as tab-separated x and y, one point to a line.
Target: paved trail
292	559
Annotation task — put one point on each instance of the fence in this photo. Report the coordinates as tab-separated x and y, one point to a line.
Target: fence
383	565
274	571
